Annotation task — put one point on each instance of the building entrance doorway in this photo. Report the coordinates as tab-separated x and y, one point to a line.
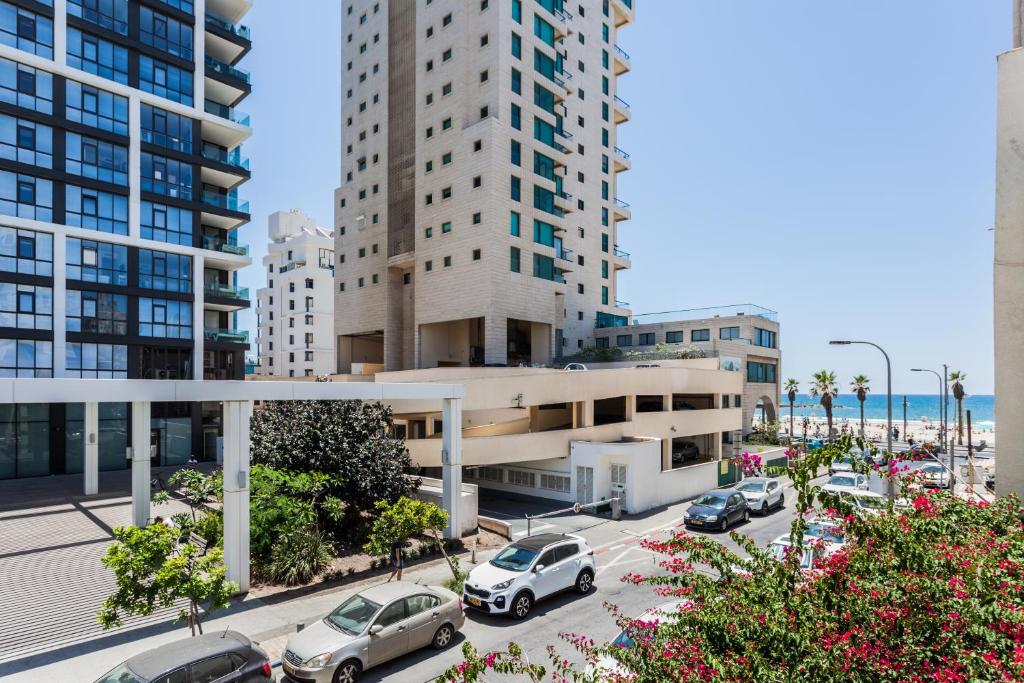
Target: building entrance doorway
584	485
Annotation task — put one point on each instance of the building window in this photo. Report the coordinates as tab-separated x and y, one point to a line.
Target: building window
645	339
165	80
675	337
170	177
25	30
97	159
165	34
514	260
168	224
514	224
26	307
97	108
97	361
165	272
763	373
729	333
524	479
604	295
97	56
90	261
26	87
26	251
603	342
476	254
25	141
624	340
164	318
765	338
725	400
96	312
26	358
700	335
166	129
555	482
96	210
25	196
109	14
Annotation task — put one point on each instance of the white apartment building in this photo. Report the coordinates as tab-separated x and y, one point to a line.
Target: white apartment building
477	222
295	311
120	163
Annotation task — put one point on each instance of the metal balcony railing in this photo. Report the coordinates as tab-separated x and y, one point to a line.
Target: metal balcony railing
226	112
226	291
224	246
217	66
225	25
219	334
621	102
621	153
290	266
622	53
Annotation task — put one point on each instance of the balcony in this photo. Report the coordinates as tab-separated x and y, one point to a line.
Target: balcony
226	112
623	12
622	64
562	24
221	335
224	246
621	109
224	297
225	168
152	137
290	266
621	259
228	202
564	254
622	160
225	84
622	210
233	158
226	40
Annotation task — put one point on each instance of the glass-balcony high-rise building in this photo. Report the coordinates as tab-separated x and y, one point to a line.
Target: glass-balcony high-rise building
120	168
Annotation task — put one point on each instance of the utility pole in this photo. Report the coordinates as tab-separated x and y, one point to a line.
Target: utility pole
905	406
945	427
1018	17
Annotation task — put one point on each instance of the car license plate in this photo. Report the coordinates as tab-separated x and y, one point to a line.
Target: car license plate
696	522
474	601
288	668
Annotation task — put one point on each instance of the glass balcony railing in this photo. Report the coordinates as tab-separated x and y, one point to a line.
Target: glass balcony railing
566	255
621	204
622	103
224	246
226	201
217	66
232	158
621	304
621	153
226	112
219	334
163	140
226	291
225	25
290	266
622	53
621	254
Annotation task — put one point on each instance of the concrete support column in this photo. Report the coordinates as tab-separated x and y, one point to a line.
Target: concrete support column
666	402
451	464
91	466
141	467
495	340
630	407
236	491
588	413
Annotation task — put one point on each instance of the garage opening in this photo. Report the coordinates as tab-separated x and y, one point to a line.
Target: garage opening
650	403
610	410
691	450
693	401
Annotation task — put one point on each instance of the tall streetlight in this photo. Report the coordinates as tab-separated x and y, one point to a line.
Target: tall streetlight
890	487
941	417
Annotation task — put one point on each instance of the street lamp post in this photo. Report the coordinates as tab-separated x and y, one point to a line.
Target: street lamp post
890	487
942	418
947	442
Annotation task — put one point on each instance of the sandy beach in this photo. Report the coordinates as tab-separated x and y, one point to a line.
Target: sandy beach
919	430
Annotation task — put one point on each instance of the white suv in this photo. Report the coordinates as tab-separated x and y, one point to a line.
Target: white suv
530	570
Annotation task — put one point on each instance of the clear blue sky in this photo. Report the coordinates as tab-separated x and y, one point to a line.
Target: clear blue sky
833	161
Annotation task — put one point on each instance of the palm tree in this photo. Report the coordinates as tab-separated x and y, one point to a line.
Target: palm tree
823	386
792	387
860	387
957	379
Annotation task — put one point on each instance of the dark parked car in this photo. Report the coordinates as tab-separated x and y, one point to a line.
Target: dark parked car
685	451
718	510
219	657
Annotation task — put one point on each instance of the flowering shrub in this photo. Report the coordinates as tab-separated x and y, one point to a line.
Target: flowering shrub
930	591
749	463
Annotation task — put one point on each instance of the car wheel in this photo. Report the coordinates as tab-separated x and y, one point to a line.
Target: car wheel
522	605
764	508
584	582
782	500
348	672
746	516
724	526
443	637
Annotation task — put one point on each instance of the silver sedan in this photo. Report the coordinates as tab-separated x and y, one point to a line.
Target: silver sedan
370	628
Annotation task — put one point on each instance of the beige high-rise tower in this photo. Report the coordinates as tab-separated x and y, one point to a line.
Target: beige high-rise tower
477	220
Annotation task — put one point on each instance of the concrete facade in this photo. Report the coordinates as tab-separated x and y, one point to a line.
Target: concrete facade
477	218
295	311
1009	267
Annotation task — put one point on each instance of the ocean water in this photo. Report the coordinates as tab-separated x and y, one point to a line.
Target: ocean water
846	406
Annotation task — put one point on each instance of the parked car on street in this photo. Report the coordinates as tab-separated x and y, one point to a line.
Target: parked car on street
846	481
221	656
717	509
607	665
934	476
372	627
865	502
828	531
762	493
842	464
530	570
780	548
575	366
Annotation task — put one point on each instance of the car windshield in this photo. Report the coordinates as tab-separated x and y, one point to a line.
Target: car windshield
353	615
824	531
708	500
514	558
624	641
932	469
780	550
752	486
119	674
870	502
846	459
842	481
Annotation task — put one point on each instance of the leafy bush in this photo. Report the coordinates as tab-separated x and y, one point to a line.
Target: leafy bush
458	578
765	433
299	554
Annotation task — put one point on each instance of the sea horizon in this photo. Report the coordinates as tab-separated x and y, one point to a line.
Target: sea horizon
846	406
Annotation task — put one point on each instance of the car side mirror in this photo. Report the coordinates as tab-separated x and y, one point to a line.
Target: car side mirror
375	629
539	568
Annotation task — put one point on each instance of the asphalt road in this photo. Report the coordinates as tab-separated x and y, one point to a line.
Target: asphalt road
617	550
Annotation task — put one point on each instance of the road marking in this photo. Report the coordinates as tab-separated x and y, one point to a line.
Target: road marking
615	561
539	527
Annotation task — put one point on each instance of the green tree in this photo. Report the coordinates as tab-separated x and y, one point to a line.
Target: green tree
405	518
824	387
792	387
957	378
154	569
860	386
197	490
348	441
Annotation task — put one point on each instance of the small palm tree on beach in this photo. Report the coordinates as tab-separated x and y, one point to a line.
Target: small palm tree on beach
792	387
860	387
824	387
957	378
